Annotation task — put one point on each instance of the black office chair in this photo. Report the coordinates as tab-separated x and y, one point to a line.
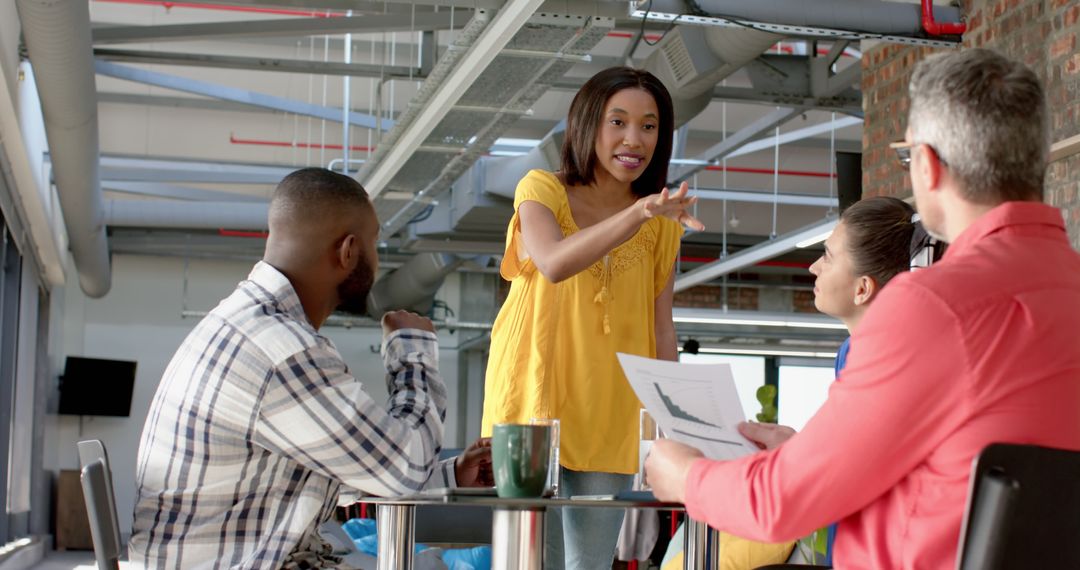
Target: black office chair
100	503
1023	509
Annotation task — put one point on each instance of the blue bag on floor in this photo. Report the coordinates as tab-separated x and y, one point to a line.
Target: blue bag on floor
476	558
364	533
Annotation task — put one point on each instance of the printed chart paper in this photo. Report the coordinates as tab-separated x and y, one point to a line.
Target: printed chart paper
696	404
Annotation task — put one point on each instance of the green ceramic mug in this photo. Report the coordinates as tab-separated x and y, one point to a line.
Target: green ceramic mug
519	456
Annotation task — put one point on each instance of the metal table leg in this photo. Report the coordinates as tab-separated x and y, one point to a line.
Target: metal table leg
701	546
396	538
517	539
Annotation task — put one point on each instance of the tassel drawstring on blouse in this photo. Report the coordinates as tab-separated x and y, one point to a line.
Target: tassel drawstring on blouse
604	296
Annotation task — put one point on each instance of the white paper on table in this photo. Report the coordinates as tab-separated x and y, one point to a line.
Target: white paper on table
696	404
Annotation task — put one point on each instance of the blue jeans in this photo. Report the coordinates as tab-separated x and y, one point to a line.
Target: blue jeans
584	539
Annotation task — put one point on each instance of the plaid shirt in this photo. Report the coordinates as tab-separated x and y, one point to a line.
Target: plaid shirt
256	426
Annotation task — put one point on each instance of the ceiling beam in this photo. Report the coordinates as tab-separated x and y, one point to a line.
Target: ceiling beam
259	63
759	197
116	168
502	28
217	91
177	192
763	251
599	8
290	27
729	145
794	136
755	318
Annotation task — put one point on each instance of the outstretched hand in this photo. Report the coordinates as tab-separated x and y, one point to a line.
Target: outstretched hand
672	205
473	467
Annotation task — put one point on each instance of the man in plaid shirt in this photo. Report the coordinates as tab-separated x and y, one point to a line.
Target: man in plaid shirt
258	422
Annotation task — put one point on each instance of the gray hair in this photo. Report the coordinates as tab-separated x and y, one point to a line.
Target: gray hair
985	116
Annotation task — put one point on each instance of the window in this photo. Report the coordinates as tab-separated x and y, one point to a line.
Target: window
10	282
749	373
803	390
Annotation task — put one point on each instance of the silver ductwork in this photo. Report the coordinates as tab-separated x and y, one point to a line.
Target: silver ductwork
411	286
871	16
691	60
500	175
57	36
186	215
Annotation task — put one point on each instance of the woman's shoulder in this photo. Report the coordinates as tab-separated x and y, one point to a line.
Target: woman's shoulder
545	177
541	186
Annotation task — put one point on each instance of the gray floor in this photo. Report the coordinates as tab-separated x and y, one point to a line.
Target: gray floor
69	560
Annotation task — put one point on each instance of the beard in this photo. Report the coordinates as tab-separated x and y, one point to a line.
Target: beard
353	291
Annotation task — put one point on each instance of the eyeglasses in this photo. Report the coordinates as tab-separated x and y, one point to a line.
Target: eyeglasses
903	153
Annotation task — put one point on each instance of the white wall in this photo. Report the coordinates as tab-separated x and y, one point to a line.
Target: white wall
140	320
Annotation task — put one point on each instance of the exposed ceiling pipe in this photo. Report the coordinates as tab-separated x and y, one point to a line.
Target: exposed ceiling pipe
691	60
765	250
935	28
189	215
413	285
57	35
873	16
377	174
168	5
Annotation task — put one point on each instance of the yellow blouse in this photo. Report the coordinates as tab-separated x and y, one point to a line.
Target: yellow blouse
553	345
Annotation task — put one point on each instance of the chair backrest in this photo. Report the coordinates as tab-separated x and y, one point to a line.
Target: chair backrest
1023	509
100	503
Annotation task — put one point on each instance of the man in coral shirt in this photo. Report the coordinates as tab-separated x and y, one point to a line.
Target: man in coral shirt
980	348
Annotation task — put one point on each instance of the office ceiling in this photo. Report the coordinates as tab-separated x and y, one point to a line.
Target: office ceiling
203	106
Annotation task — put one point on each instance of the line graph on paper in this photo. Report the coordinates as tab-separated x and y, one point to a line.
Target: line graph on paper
696	404
680	411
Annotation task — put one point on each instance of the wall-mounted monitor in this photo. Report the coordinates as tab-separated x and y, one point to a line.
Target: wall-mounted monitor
96	387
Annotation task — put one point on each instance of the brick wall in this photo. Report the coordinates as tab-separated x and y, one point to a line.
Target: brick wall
803	302
711	297
1044	34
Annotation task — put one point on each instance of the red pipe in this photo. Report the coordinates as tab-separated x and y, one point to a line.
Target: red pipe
244	234
628	35
939	29
747	170
293	144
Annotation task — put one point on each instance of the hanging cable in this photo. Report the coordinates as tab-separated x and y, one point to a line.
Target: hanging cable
346	104
296	116
723	234
310	98
776	181
372	108
832	165
322	138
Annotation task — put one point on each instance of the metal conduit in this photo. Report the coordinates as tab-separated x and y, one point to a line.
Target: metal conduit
57	35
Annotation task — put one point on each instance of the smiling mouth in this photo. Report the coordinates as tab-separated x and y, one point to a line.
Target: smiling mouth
630	160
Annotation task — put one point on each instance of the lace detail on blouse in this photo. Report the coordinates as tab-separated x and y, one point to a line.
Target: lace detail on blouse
622	258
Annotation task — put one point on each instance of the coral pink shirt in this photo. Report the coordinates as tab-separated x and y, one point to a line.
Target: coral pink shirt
982	347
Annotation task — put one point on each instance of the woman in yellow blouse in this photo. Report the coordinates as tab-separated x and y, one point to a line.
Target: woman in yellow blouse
590	254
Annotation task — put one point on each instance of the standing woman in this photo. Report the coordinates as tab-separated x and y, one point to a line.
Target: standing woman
590	254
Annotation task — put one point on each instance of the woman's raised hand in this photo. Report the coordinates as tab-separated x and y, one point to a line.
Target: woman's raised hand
672	205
